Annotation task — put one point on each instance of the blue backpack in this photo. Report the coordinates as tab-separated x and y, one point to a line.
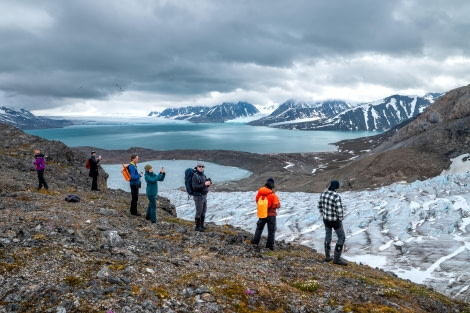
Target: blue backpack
188	178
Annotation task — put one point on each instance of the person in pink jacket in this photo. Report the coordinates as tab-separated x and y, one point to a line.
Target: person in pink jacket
40	166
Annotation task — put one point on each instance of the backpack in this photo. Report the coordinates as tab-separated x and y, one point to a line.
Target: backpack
262	207
72	198
125	172
188	179
87	164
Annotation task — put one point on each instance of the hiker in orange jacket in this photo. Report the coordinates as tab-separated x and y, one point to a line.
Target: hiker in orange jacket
273	204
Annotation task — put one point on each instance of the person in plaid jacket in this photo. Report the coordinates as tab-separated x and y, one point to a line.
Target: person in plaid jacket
332	210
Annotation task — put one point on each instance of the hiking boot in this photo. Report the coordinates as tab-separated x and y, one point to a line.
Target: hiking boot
327	252
340	262
202	223
136	214
197	226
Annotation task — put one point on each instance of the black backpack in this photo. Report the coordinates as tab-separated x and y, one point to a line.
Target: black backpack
72	198
188	178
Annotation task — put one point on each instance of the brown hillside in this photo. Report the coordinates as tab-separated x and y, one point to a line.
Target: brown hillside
93	256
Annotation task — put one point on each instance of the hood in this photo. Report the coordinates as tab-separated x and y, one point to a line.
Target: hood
264	191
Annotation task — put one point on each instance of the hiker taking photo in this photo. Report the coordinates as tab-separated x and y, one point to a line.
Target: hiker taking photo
94	165
200	185
151	191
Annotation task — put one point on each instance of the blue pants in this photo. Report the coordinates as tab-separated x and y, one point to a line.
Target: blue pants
152	209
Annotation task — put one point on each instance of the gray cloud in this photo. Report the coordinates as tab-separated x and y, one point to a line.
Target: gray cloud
60	53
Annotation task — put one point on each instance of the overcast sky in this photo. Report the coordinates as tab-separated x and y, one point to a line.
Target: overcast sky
88	57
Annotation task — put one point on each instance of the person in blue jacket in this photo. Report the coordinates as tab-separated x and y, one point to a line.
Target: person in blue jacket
151	191
134	183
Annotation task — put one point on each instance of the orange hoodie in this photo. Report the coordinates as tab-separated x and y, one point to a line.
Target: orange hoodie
273	200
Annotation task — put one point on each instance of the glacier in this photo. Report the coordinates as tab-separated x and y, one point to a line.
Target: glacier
419	231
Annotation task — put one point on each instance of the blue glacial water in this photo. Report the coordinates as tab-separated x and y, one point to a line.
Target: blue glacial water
172	135
174	177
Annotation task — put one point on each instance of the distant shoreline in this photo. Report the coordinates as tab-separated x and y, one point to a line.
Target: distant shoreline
293	172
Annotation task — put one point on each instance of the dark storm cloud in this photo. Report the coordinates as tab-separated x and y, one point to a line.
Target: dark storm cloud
62	50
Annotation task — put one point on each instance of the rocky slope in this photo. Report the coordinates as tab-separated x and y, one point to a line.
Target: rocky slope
93	256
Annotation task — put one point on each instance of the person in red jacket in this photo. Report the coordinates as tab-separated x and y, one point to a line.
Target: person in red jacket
273	204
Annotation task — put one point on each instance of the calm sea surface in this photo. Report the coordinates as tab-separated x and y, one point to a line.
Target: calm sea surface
171	135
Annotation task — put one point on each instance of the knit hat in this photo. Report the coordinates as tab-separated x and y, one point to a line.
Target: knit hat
271	181
200	164
334	185
147	167
93	151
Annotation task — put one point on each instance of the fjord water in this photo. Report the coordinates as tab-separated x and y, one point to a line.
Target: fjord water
173	135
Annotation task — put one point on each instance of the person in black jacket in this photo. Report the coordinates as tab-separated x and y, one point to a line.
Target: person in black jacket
200	184
94	170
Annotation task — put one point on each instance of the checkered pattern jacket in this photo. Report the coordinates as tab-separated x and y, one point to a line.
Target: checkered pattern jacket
330	206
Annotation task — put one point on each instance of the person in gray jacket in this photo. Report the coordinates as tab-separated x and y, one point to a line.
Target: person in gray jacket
332	210
200	184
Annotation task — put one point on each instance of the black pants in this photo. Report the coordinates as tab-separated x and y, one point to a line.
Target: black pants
271	221
135	198
42	181
94	181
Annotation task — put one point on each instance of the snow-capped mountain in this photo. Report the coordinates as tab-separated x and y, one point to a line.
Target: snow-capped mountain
216	114
373	116
23	119
292	110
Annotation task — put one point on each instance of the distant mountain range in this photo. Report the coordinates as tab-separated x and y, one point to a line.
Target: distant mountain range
374	116
379	115
24	119
216	114
291	111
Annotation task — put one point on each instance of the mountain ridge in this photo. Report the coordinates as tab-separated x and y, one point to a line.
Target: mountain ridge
24	119
205	114
379	115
